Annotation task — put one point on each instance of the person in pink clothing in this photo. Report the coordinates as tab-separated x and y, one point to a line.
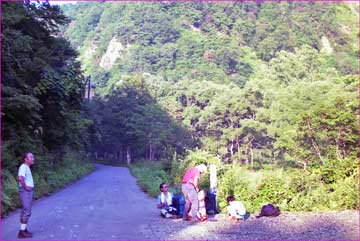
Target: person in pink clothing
190	188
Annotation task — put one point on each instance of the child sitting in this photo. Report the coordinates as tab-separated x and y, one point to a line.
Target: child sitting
164	202
236	209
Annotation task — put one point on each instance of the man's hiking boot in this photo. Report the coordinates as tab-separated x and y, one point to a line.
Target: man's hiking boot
27	231
24	234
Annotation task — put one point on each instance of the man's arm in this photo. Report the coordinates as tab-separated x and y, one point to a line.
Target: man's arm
22	182
161	205
196	184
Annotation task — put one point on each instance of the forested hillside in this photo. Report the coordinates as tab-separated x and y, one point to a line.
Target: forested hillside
267	91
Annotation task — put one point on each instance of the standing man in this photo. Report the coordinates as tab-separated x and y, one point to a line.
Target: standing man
190	188
26	191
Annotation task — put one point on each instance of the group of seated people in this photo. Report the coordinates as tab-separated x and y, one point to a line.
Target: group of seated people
235	210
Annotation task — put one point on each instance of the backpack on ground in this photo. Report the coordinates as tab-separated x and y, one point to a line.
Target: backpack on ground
210	203
178	202
269	210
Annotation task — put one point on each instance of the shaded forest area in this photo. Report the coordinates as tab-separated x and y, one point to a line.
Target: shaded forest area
42	97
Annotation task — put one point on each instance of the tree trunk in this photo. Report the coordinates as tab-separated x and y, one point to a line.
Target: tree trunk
247	155
305	162
153	154
339	149
128	155
232	148
238	148
150	151
120	154
314	143
317	150
252	157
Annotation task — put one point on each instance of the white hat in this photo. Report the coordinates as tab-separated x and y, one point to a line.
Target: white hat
202	168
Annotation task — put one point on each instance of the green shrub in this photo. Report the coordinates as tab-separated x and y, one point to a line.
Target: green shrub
346	193
47	178
318	188
10	189
233	182
42	187
149	176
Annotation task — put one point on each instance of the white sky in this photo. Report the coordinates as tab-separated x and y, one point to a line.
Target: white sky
60	2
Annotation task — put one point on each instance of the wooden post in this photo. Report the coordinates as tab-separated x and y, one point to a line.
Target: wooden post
213	179
213	186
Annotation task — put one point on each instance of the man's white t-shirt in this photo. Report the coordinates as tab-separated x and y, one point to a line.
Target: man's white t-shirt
24	171
165	198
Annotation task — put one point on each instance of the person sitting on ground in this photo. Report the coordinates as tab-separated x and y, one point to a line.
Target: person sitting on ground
164	202
236	209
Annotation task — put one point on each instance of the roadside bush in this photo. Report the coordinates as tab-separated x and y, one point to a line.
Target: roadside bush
149	176
47	178
10	187
291	189
346	193
42	187
234	182
272	189
317	199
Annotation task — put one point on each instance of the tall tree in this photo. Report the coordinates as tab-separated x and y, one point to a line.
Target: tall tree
41	81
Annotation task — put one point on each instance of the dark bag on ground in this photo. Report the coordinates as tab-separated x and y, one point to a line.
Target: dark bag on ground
210	204
178	202
269	210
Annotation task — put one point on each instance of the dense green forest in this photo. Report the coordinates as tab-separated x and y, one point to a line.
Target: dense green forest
42	94
266	91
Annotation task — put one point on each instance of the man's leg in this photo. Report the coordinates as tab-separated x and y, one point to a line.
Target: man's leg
26	200
194	199
185	189
191	200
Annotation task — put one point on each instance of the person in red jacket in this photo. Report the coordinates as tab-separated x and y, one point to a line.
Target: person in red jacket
190	188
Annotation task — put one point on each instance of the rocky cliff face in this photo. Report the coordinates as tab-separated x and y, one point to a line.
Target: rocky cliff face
114	50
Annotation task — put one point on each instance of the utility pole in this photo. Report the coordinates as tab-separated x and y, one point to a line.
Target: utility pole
88	83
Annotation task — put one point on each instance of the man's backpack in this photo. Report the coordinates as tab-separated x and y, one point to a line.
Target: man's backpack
269	210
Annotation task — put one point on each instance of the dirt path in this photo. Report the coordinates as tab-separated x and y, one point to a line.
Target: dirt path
108	205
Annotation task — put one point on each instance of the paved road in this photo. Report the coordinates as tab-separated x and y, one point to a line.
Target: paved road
108	205
105	205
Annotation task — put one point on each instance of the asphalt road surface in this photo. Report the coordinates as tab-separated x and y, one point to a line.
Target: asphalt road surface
108	205
105	205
